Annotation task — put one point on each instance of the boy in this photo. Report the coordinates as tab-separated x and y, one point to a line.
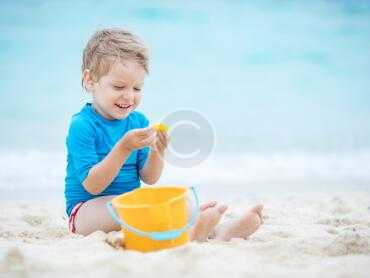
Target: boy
110	146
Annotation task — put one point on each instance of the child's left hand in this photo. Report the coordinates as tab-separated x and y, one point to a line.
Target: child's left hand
162	141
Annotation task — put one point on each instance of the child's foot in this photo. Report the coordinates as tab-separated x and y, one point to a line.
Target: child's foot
244	226
208	219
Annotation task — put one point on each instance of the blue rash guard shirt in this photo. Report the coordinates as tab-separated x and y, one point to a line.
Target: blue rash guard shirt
90	138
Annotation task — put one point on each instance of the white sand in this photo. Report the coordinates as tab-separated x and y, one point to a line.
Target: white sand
326	236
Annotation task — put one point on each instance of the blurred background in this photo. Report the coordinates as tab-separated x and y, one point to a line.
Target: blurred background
285	85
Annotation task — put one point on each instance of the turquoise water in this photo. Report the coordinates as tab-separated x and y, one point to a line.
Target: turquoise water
284	83
269	75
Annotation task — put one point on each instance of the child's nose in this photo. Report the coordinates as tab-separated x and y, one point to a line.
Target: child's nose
128	94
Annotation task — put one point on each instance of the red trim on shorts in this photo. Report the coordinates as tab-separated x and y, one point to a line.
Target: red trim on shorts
72	217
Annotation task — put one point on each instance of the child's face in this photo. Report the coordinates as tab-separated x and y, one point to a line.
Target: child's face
118	93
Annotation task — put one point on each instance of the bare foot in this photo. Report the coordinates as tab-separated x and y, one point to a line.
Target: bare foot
206	222
244	226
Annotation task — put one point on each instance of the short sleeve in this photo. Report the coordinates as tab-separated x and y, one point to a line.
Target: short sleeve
81	147
142	154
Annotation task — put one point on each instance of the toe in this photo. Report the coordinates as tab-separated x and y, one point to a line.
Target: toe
222	208
258	209
208	205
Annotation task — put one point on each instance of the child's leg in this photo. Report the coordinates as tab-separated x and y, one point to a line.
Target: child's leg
93	215
243	226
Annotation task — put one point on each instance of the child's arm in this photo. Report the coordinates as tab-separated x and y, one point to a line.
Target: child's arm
104	172
153	168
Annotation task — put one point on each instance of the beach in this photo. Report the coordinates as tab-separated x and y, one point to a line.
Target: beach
282	88
314	235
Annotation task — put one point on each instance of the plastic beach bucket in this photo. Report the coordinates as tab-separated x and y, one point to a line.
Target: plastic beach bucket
154	218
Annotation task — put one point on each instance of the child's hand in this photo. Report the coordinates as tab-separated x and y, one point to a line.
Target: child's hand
161	142
139	138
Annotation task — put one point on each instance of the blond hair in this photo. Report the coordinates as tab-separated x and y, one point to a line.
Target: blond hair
107	45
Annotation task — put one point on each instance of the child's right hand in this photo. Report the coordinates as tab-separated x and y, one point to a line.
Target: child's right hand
139	138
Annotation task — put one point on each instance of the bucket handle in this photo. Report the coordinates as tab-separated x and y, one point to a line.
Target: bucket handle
167	235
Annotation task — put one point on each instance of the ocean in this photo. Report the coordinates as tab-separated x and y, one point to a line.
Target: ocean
284	84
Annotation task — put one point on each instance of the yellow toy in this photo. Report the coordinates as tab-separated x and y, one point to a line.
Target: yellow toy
154	218
160	127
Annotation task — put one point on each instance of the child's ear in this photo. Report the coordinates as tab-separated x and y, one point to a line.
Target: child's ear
88	81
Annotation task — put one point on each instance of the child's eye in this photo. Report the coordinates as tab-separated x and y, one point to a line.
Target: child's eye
118	87
137	89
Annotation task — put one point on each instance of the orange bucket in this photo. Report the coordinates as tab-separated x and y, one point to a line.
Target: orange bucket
154	218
